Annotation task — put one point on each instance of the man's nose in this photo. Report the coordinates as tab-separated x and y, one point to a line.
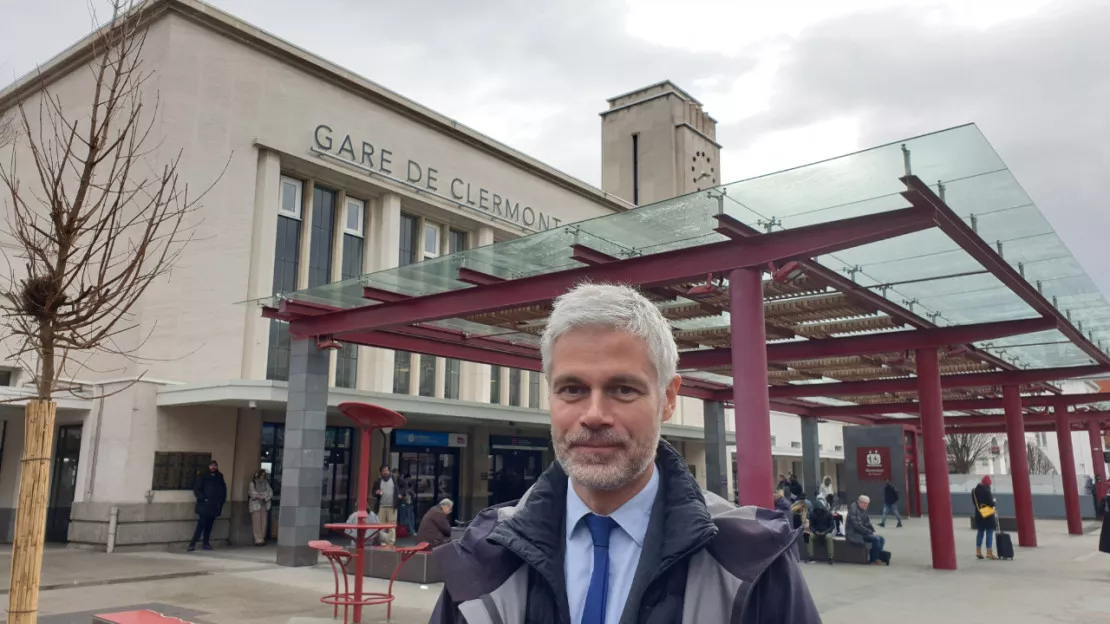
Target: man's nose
596	414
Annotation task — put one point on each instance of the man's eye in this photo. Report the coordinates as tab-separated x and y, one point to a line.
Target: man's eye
625	391
571	390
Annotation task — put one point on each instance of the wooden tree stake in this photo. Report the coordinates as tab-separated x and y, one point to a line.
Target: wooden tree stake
30	519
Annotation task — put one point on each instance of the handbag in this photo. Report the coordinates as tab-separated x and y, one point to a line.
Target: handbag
986	511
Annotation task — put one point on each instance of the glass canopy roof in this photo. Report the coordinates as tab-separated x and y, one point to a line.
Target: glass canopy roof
925	272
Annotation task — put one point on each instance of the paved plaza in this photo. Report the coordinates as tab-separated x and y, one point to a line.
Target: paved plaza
1064	580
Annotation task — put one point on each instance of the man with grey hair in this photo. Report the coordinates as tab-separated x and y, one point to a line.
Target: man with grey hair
617	531
435	527
858	530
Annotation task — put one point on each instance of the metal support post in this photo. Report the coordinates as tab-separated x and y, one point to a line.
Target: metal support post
754	475
1067	468
1019	466
942	535
1098	461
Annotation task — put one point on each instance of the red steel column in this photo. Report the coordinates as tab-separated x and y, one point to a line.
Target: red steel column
915	487
755	480
942	535
1067	468
1098	462
1019	467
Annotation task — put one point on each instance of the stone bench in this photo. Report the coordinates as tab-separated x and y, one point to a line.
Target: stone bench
845	551
381	561
1006	523
144	616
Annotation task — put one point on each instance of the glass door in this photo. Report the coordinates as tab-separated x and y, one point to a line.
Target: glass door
431	475
63	483
512	473
335	504
335	499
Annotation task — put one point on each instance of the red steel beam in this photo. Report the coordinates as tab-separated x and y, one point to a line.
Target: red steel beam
590	256
999	429
971	380
734	228
425	346
651	270
922	196
873	343
963	405
385	296
477	278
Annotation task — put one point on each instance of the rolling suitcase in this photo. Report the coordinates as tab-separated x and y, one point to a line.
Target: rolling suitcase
1003	542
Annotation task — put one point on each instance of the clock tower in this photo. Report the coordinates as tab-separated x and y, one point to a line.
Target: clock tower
657	143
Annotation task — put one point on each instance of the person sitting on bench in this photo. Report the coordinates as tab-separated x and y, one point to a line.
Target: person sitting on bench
838	520
435	528
821	529
861	532
372	539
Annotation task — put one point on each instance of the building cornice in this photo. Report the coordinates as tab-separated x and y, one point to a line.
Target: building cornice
218	21
272	395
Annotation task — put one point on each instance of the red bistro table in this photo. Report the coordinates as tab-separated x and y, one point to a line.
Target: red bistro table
368	418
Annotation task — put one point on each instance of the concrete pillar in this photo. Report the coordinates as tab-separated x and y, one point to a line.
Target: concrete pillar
1019	467
1067	469
750	398
811	457
383	250
248	458
260	275
716	453
305	255
480	373
474	490
942	536
303	470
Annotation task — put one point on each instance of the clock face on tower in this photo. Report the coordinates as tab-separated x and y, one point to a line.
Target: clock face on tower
703	171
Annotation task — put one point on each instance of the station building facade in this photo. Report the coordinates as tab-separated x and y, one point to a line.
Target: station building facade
321	175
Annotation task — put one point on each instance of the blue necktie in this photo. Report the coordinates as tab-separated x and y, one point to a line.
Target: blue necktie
599	526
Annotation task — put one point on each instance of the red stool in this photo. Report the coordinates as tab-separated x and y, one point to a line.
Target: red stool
338	558
406	553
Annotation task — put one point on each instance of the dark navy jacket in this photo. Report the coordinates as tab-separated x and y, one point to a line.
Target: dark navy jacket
704	561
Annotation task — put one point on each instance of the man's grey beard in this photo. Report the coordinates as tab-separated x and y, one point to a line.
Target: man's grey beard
605	472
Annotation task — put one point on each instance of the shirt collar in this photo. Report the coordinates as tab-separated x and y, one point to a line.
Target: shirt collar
632	517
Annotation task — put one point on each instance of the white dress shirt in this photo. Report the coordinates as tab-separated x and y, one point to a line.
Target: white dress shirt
625	544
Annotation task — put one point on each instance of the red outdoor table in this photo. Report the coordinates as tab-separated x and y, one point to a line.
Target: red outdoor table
368	418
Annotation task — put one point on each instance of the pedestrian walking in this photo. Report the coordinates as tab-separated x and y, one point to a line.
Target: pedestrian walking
890	504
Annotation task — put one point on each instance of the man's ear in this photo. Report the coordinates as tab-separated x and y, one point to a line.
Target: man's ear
670	397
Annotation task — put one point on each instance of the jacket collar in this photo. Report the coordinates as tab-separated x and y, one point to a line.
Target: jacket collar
680	522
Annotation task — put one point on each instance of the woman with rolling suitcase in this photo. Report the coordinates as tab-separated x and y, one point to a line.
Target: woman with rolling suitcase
985	522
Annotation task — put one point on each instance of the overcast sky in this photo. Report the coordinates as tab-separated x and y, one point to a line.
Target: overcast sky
788	86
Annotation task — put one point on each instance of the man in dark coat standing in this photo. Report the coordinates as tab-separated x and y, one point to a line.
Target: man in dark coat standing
617	529
211	492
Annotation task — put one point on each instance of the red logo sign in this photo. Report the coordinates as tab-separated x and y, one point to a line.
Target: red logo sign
873	463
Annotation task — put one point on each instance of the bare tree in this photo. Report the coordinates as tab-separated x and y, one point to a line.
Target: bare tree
94	221
965	450
1037	459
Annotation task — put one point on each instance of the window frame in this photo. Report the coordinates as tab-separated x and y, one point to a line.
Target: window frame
298	211
433	227
360	232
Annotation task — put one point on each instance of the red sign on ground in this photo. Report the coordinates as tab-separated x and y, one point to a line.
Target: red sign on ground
873	463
